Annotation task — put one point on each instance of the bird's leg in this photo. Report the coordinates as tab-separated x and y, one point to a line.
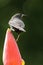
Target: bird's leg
18	37
12	28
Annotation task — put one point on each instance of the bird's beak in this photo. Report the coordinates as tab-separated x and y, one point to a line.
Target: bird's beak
23	15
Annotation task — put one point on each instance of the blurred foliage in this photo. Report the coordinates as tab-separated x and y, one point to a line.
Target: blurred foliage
31	42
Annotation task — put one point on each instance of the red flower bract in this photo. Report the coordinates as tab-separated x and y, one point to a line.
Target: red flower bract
11	53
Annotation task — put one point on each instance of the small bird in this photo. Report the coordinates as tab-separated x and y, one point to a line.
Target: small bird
16	24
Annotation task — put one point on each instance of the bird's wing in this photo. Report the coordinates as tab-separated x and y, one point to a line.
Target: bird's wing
17	22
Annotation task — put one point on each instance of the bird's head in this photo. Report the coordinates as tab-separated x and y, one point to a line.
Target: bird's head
18	15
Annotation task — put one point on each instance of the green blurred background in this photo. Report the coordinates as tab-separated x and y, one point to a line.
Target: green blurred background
31	42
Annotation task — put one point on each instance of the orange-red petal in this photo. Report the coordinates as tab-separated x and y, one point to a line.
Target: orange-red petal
11	53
